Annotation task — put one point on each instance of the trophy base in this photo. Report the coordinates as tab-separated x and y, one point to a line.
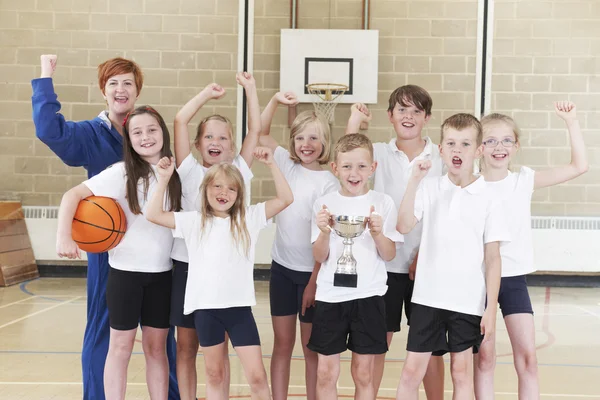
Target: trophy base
345	280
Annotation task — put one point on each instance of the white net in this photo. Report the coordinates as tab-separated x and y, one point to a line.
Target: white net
328	96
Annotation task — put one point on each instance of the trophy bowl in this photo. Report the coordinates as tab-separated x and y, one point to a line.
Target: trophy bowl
349	226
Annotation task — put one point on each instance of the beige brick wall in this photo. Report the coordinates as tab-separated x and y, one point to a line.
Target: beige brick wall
543	52
181	46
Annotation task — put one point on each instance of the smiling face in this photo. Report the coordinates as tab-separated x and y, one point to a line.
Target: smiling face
146	136
353	168
308	145
222	194
120	93
499	145
408	120
215	143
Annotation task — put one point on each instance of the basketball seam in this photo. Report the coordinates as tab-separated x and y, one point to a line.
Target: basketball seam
99	227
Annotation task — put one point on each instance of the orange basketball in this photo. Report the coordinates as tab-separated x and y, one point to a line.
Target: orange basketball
99	224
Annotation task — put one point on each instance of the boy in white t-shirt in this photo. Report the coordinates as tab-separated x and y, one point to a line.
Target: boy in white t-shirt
409	111
463	226
352	318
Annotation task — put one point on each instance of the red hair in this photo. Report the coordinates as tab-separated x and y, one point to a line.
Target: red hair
119	66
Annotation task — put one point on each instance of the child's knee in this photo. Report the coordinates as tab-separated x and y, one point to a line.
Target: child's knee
460	371
257	377
187	349
215	374
486	361
526	363
155	350
362	374
326	376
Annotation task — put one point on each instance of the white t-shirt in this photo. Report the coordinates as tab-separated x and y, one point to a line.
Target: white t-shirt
219	275
191	173
370	267
391	177
292	247
145	247
457	222
515	191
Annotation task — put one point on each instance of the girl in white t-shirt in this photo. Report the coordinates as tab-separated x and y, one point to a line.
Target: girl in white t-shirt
139	280
221	240
214	141
293	271
501	142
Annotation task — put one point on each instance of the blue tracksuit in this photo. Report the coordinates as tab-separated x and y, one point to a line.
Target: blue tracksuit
93	145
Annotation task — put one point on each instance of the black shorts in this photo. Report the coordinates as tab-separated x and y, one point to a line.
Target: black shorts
440	331
357	325
286	288
178	318
138	297
399	294
238	322
513	297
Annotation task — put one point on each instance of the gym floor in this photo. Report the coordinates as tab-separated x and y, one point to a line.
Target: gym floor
42	324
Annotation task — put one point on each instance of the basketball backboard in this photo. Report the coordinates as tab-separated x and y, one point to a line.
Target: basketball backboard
340	56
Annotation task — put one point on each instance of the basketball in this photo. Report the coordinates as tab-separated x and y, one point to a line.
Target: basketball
99	224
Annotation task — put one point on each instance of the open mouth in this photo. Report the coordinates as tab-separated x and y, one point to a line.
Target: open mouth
408	124
307	153
147	145
121	99
222	201
456	161
354	183
214	152
499	156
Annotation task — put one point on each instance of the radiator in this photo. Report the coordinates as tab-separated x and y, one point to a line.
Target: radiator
561	244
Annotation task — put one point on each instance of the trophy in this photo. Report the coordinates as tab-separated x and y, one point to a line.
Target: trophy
347	227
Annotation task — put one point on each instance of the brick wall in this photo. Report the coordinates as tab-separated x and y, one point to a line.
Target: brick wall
181	46
548	51
543	50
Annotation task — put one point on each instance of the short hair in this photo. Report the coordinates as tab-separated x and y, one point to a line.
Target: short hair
411	94
495	118
460	122
119	66
301	122
353	141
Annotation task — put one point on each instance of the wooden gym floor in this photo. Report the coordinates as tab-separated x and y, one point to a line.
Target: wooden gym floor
42	324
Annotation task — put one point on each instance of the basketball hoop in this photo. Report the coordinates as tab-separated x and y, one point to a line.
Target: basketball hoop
330	94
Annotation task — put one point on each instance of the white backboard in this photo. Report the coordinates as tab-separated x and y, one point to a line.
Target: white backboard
343	56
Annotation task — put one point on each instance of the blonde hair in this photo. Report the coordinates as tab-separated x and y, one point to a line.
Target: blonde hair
301	122
495	118
216	117
353	141
237	213
461	122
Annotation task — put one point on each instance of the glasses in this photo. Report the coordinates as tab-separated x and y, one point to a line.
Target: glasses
506	142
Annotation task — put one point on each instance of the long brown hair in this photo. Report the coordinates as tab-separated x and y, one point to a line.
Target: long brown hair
137	168
237	213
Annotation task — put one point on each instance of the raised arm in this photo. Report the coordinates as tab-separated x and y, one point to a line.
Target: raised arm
579	163
67	139
251	140
359	113
284	196
65	245
406	213
155	212
289	99
185	115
